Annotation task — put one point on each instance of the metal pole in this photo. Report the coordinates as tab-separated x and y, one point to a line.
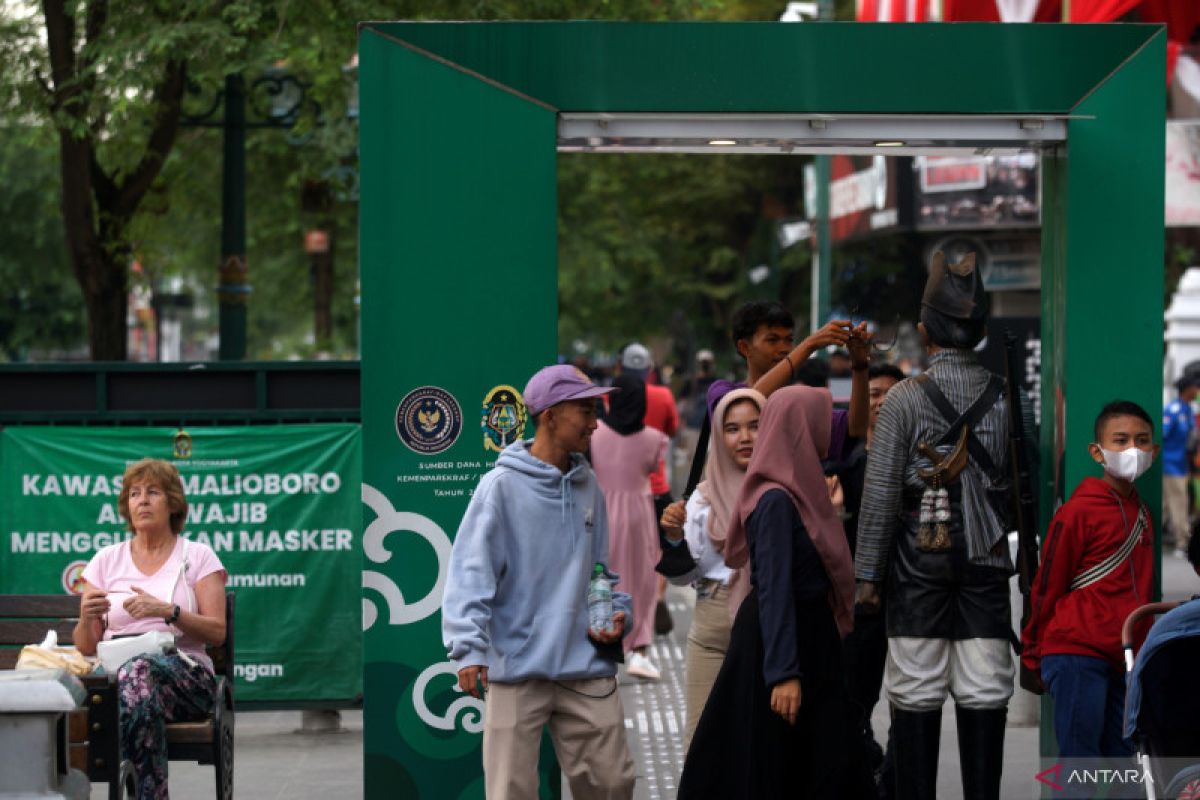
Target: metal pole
823	253
233	290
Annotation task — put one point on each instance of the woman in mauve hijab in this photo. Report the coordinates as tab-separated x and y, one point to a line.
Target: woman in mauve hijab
779	722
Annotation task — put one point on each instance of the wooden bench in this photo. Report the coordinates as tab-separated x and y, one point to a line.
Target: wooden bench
93	732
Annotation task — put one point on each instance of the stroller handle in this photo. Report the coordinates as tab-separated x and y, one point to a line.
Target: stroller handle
1138	614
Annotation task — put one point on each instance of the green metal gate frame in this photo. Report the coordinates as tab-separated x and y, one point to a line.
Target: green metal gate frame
458	143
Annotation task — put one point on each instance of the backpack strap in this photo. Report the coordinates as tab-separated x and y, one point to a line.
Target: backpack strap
1110	564
969	418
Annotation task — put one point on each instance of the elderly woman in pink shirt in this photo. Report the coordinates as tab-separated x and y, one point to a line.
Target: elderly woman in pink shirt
155	581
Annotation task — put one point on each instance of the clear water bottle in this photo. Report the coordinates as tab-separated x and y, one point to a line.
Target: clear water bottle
600	608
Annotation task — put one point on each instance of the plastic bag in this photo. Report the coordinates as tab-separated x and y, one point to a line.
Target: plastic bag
115	652
48	655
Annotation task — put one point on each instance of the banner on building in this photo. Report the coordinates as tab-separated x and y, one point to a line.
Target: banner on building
977	192
280	505
867	195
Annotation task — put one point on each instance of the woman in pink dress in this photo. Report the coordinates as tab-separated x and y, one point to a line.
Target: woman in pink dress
624	454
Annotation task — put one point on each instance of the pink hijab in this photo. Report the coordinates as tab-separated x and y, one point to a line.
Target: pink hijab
722	482
793	436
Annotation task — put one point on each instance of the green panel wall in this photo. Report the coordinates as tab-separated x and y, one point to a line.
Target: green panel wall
459	293
762	67
1104	265
458	257
1102	280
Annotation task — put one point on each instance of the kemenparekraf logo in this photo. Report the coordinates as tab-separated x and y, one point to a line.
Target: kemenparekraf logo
428	420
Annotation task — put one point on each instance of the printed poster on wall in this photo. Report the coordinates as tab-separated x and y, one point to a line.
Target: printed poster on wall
280	505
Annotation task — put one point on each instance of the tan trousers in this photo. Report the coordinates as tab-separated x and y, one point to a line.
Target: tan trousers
1175	509
587	726
707	643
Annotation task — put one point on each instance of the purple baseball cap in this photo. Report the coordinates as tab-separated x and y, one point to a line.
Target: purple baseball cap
551	385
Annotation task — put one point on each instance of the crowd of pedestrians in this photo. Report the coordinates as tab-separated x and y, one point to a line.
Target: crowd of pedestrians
837	555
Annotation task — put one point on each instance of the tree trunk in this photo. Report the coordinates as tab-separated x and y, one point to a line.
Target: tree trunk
108	307
97	207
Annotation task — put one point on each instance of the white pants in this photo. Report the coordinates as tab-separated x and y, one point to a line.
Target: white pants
920	673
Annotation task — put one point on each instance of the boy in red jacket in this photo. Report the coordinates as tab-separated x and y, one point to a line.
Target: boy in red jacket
1097	567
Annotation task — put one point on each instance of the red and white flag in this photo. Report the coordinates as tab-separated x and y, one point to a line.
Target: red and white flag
895	10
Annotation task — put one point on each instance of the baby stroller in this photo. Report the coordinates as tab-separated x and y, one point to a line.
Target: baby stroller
1162	705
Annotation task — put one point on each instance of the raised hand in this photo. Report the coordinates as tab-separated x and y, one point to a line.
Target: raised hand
94	604
859	345
836	332
142	605
672	519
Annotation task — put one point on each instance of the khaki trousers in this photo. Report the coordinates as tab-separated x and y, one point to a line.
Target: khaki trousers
587	726
1175	509
707	643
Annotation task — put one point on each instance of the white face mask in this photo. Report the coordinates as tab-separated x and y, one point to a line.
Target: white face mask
1127	464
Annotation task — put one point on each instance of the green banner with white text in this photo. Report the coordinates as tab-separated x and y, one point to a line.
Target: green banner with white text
280	505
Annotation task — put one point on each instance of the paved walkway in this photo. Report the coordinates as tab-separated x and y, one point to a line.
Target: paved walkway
274	761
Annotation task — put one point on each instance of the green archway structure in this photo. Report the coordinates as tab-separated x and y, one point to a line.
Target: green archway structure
461	123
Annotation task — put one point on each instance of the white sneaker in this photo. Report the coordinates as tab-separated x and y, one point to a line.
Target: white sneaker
641	667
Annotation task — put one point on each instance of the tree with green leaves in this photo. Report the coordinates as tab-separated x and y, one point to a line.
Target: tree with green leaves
40	305
113	81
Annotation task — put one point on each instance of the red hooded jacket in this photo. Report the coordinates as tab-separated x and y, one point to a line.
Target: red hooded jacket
1086	530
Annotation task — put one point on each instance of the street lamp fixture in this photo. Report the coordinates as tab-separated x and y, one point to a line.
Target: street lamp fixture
275	99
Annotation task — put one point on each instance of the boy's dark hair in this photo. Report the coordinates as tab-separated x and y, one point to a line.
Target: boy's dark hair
1120	408
885	371
753	315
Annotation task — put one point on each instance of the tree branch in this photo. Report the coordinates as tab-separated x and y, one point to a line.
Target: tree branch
75	150
168	96
93	25
60	41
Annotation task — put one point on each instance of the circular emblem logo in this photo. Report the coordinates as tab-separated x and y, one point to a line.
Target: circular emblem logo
428	420
182	446
504	418
72	577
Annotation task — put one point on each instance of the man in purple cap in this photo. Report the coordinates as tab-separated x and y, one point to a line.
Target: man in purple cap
514	613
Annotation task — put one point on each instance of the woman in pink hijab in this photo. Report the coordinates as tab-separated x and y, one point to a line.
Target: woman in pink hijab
779	721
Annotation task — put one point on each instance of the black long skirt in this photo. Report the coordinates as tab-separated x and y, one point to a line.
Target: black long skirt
742	749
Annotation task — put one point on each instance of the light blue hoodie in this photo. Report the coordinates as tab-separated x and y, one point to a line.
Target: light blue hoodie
516	595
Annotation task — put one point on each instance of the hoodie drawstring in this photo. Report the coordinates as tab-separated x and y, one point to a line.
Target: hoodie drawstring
568	495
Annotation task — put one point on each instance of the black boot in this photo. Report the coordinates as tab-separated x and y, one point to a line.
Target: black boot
915	739
981	750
